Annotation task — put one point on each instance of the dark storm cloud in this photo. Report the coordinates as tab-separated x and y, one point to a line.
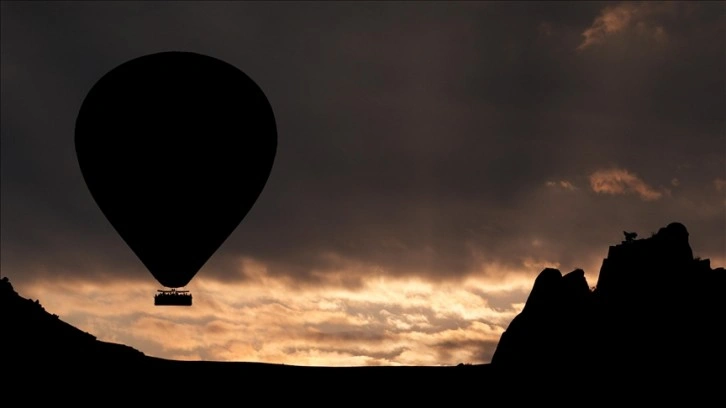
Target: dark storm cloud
414	138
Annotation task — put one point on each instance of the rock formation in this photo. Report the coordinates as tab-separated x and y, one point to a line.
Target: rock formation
656	311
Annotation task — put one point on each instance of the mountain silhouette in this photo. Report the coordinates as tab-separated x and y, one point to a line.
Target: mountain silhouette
652	327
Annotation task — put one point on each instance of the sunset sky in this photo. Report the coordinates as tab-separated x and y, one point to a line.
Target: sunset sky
432	159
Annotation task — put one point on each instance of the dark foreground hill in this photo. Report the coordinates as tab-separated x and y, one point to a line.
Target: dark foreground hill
652	328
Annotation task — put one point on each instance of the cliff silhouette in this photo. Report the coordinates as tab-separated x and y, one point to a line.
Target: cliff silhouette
656	314
652	326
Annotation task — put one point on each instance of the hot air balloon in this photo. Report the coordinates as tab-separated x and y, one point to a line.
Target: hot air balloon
175	148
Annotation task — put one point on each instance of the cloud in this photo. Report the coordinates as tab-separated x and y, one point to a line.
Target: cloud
388	322
622	17
403	149
719	184
545	28
621	181
563	184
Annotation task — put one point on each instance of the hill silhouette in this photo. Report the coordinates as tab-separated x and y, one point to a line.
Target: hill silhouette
29	329
39	350
653	325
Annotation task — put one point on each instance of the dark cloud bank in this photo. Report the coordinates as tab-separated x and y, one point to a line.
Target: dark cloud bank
414	138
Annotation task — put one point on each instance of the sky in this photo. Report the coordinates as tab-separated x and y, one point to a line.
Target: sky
433	158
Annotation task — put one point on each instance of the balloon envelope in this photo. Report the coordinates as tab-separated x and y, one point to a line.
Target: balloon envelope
175	148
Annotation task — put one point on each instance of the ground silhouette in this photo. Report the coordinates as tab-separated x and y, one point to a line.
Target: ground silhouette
652	328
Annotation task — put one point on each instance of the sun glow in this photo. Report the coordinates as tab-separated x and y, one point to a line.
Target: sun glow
385	322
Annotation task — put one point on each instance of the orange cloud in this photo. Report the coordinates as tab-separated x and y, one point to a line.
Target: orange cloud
385	322
622	17
621	181
719	184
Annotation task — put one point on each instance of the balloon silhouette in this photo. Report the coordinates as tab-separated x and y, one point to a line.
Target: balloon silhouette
175	148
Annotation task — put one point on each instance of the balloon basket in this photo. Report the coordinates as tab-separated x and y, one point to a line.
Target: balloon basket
173	298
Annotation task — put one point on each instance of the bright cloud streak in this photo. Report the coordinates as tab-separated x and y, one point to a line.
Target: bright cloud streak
387	322
621	181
